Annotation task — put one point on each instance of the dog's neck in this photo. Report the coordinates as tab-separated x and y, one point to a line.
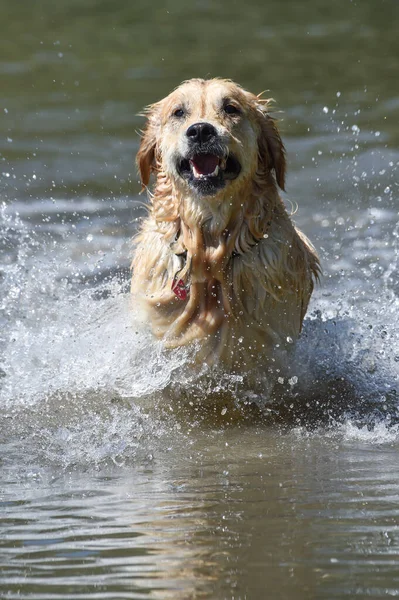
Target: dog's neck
208	233
204	237
229	222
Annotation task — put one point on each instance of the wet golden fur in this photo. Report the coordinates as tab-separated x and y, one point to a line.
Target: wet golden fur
248	270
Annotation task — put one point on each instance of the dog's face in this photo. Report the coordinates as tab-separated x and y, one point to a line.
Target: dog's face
208	135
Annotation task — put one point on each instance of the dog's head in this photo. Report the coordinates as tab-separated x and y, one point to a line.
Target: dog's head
208	135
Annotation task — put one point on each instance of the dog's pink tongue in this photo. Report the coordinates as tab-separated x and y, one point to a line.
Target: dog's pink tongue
205	164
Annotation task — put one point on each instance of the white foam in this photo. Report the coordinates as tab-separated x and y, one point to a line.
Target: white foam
71	353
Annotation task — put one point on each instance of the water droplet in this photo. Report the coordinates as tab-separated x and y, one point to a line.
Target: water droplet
325	109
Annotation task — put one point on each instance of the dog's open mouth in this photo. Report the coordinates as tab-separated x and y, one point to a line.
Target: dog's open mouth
208	173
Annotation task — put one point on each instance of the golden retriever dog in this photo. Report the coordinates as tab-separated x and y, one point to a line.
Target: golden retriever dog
218	261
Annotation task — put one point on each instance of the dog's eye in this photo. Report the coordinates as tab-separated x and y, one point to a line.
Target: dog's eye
179	112
230	109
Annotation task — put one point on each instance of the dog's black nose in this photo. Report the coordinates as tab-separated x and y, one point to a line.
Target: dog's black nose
201	132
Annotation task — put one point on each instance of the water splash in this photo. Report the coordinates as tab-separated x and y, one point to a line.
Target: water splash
82	381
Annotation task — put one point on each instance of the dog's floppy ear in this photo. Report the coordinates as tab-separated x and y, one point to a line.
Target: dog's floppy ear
147	155
271	147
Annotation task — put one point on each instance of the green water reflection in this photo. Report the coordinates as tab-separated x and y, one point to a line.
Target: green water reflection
76	73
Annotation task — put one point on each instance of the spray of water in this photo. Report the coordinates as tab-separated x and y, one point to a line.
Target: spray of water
83	381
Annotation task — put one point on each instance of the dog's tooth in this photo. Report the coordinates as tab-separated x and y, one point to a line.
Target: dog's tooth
215	172
223	164
195	172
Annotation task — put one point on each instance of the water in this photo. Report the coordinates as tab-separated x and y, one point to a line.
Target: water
123	473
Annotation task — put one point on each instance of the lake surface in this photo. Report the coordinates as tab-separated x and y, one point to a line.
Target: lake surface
122	474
